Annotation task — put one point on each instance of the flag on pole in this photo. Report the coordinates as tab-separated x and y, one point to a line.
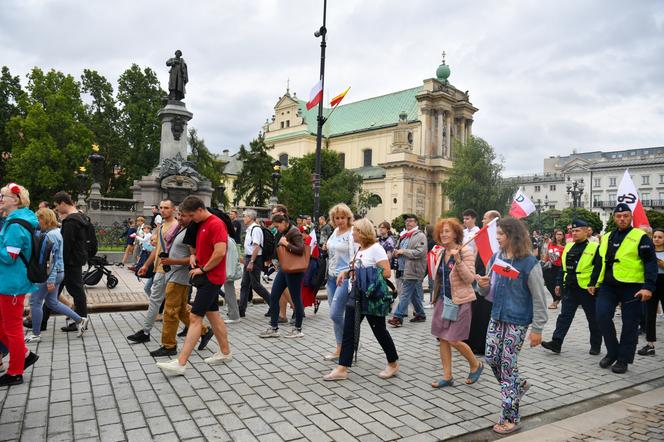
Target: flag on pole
504	269
521	205
627	194
316	95
336	100
431	261
487	241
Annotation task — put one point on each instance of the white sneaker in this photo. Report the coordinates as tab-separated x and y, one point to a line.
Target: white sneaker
83	325
294	333
428	305
270	333
172	367
32	338
219	358
231	321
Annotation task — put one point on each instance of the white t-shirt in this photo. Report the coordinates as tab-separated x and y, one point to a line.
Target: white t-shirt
369	257
253	238
468	234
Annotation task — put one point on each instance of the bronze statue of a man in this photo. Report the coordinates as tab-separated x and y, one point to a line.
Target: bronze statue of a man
178	76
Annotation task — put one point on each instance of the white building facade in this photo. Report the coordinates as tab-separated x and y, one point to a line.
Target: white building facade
601	173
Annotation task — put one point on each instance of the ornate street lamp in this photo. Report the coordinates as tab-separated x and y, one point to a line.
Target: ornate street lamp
276	176
538	209
221	188
575	190
82	181
97	161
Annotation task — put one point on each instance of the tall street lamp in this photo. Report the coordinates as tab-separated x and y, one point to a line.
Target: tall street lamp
538	209
575	190
276	176
322	33
221	188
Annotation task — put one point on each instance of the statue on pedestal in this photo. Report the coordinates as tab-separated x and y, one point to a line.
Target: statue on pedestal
179	76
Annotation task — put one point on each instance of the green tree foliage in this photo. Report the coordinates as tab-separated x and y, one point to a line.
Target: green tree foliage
207	164
139	96
10	94
254	183
49	138
475	181
655	218
338	185
399	223
560	219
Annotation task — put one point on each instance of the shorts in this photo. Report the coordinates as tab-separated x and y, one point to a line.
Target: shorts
207	299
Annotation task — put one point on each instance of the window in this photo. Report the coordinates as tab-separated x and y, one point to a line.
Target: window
612	197
598	182
612	182
645	180
367	157
342	160
537	188
661	179
596	200
661	197
287	123
283	159
282	124
552	187
645	196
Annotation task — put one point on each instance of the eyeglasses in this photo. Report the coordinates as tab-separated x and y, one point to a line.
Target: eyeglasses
2	197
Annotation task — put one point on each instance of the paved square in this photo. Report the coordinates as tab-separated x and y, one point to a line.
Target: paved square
102	388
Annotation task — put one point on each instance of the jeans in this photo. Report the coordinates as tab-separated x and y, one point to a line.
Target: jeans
412	291
73	282
147	288
608	298
252	281
157	293
176	310
379	330
37	302
651	309
231	300
294	283
336	298
571	299
11	331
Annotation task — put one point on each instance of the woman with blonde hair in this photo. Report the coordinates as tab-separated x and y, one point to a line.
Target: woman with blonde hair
48	291
453	293
371	260
340	249
15	247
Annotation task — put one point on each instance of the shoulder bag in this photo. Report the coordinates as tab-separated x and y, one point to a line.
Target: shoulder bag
291	262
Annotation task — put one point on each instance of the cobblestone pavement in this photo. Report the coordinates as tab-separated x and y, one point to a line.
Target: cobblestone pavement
102	388
640	425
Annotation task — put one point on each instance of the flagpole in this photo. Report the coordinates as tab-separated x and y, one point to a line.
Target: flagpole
322	32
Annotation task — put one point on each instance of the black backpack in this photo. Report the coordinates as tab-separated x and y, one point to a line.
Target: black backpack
91	243
38	266
268	246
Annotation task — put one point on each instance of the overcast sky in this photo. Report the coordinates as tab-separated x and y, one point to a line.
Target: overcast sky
547	77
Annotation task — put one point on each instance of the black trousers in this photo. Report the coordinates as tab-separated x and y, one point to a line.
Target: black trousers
481	310
651	309
379	330
73	281
573	297
251	281
550	278
608	298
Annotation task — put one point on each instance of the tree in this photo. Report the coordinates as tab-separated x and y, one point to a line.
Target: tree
10	94
399	223
655	218
140	95
207	164
49	137
475	181
560	219
338	185
254	183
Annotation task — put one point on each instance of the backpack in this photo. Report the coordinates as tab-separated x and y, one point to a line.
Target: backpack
268	247
233	267
91	243
41	257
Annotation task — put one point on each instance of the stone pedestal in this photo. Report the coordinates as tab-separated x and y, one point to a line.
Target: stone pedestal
174	117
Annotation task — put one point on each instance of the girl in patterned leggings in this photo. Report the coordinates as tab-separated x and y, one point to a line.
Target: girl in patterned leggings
516	285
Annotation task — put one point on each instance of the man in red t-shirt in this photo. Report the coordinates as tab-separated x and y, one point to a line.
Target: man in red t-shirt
208	262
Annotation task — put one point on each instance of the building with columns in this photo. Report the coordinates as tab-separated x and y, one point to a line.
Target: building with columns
601	173
400	142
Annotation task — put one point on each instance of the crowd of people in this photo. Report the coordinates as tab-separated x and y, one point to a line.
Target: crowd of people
476	307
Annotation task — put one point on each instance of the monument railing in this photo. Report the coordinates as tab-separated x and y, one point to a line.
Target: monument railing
106	211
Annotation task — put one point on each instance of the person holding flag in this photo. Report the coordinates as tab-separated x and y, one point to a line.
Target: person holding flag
628	277
581	265
516	285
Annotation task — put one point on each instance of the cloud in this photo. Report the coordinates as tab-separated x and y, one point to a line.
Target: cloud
547	76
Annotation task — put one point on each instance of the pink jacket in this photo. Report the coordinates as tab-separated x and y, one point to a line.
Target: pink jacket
461	277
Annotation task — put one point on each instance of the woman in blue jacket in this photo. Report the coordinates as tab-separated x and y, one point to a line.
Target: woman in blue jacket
14	284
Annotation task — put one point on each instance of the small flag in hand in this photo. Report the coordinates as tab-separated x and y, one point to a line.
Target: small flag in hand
504	269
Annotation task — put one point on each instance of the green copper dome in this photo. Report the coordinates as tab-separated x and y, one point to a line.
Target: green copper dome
443	72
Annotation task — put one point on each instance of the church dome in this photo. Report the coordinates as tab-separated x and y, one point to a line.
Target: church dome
443	71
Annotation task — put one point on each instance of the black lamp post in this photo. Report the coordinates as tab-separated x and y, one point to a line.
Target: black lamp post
322	33
575	190
97	161
276	176
538	209
221	189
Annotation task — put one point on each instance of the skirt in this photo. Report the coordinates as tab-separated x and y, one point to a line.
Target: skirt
458	330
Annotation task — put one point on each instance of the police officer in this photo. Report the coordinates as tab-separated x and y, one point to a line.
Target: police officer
581	267
628	278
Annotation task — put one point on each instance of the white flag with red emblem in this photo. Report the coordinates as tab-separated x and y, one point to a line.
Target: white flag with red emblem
487	241
521	205
504	269
13	251
627	194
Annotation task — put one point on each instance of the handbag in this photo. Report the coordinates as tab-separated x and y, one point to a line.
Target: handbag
450	309
292	263
199	280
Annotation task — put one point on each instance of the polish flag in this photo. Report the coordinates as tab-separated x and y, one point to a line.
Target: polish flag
521	205
314	243
504	269
14	252
316	95
431	260
487	241
627	194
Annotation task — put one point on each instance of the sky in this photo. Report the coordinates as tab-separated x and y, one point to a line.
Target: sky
547	77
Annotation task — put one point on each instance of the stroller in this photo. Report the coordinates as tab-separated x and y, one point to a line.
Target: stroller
97	269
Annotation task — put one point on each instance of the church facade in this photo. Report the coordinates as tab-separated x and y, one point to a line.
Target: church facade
400	143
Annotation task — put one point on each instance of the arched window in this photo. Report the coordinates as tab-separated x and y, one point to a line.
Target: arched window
375	200
283	159
367	157
342	159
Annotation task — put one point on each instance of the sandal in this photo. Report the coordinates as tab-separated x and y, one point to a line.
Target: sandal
443	383
505	428
474	376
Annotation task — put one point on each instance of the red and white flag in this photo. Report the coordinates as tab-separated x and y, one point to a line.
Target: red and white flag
431	260
14	252
521	205
487	241
504	269
316	95
627	194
